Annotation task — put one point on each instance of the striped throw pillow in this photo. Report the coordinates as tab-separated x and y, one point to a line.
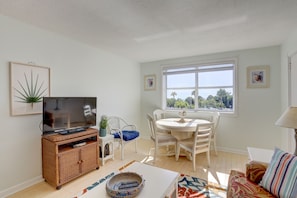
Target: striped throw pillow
280	178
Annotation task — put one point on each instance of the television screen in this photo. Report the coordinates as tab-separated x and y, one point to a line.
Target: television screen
68	114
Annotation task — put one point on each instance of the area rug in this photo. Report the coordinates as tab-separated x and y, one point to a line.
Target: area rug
193	187
188	186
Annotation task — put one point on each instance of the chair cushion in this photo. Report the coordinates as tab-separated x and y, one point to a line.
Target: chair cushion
280	176
127	135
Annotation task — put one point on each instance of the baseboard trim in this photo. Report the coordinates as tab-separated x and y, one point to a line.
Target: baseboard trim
21	186
219	148
231	150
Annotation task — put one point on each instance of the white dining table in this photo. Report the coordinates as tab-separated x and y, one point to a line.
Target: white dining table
180	130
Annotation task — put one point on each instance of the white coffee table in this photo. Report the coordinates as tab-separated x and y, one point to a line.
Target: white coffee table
158	182
259	154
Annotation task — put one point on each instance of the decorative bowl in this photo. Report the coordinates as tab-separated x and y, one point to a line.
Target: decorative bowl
124	185
182	115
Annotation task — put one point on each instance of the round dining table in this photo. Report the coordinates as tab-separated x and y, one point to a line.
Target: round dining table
180	128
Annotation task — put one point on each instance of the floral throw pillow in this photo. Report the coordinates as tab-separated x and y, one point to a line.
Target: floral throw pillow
280	178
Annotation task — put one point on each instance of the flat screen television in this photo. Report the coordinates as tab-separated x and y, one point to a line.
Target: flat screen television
68	114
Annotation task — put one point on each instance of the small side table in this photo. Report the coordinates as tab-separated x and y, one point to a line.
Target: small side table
260	155
106	140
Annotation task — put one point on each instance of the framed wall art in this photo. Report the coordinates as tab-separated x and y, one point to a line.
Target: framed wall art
28	85
258	76
149	82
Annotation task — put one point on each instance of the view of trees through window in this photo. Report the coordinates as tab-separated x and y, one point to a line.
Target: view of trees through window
200	87
223	100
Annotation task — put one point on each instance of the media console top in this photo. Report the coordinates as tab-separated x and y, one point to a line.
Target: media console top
58	137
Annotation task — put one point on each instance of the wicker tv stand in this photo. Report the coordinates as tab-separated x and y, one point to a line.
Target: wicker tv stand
63	162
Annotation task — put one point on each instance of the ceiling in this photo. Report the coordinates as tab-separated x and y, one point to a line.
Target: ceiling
149	30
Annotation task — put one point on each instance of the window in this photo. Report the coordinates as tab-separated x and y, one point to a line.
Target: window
208	86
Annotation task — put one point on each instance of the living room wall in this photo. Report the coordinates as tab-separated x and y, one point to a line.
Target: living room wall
289	47
76	70
258	109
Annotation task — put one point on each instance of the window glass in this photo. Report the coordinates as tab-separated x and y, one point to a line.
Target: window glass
201	87
180	98
215	78
184	80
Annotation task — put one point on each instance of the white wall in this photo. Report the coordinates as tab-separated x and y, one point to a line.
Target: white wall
258	108
76	70
289	47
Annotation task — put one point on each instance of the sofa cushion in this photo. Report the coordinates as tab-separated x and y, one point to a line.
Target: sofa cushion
239	186
255	171
280	177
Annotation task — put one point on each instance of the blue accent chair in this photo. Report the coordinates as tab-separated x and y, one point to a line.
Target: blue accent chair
122	132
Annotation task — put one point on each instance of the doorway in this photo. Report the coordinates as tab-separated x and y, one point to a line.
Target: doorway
292	74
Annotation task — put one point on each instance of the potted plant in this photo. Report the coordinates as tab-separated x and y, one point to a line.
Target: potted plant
103	125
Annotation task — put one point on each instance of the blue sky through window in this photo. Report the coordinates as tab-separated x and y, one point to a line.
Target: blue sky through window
208	83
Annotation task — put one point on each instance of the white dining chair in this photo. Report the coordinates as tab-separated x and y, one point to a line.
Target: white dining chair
122	132
157	115
216	121
160	138
211	116
199	143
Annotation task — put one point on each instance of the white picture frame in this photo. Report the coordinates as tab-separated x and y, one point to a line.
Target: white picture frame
258	76
28	85
150	82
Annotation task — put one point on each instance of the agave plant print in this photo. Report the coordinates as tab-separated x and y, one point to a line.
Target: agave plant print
29	84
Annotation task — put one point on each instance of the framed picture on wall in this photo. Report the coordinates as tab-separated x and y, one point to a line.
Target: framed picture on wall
150	82
258	76
28	85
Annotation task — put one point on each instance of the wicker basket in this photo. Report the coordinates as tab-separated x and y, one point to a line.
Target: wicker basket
124	185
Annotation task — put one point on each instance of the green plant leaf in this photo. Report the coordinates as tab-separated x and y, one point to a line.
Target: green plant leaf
32	92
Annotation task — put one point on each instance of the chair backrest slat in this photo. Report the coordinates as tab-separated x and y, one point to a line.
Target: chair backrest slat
151	126
117	124
159	114
202	136
113	123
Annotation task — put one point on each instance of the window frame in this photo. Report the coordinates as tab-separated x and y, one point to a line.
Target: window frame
197	64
